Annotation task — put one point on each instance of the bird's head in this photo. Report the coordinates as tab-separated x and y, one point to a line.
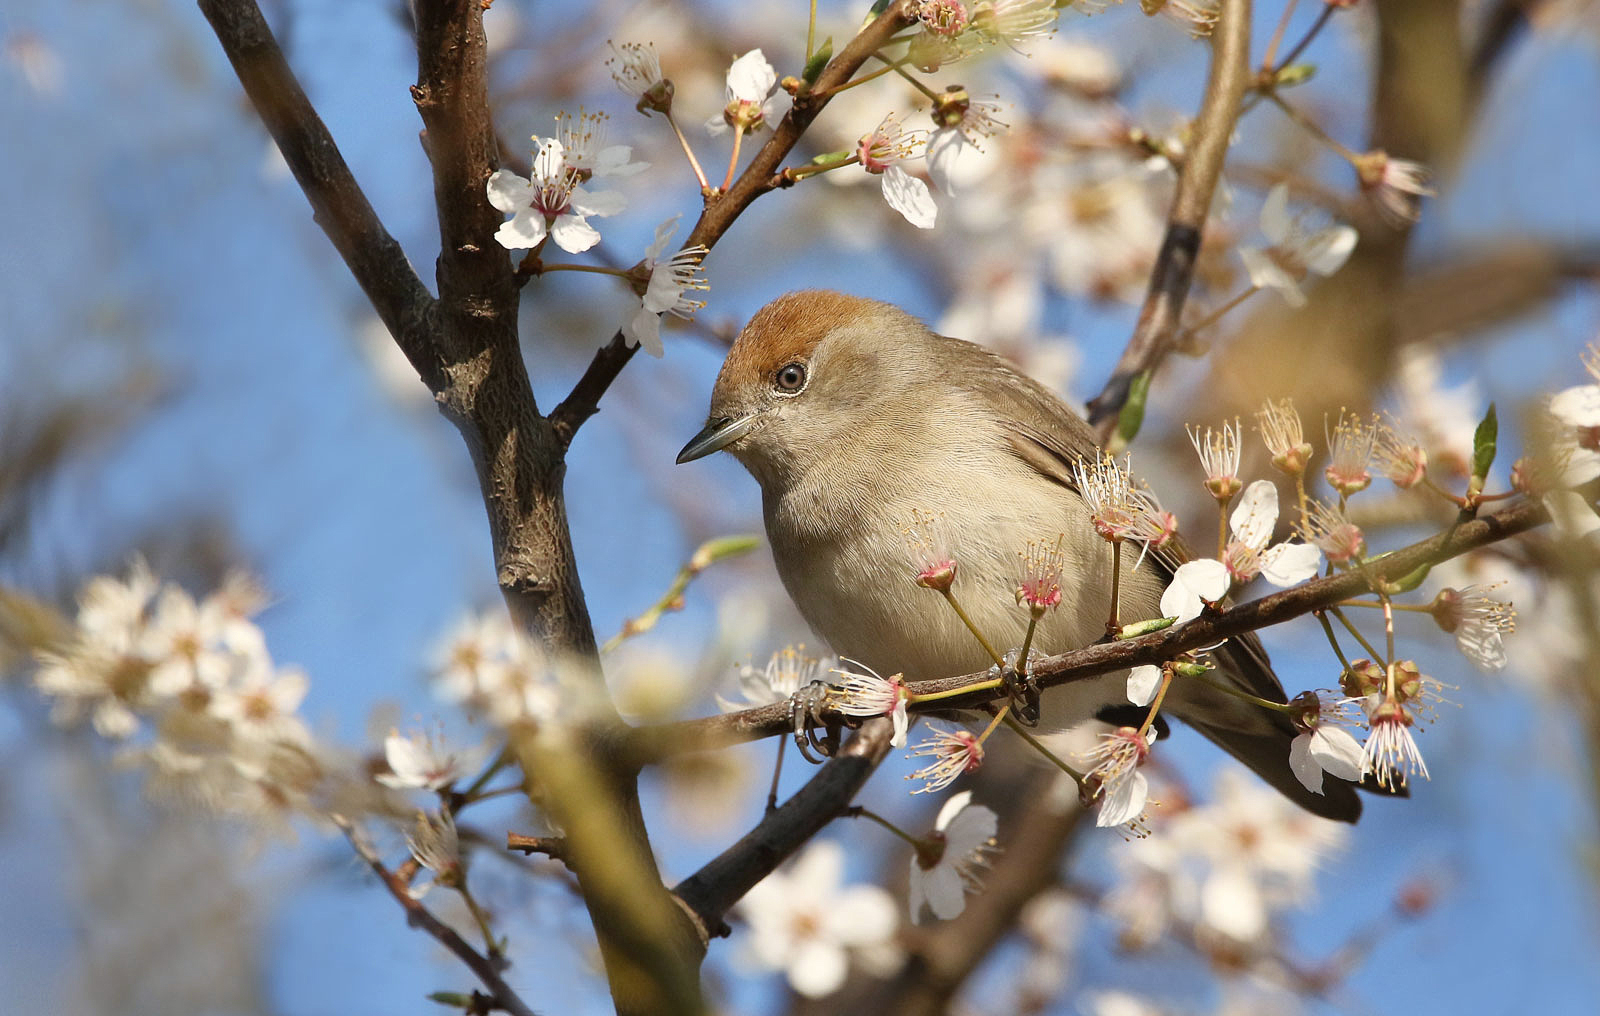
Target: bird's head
811	375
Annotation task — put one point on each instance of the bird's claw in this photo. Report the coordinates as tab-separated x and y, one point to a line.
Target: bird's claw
805	715
1023	692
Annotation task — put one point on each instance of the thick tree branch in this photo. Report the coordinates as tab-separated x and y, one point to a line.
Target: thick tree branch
1197	180
653	743
721	211
337	202
419	916
710	892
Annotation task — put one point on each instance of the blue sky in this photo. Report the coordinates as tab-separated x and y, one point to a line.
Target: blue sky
137	214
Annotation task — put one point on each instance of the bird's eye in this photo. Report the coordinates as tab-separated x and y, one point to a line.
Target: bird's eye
790	378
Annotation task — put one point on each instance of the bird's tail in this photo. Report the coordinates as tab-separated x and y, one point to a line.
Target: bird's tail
1256	736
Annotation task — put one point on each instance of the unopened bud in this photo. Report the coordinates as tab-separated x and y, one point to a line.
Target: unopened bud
1362	679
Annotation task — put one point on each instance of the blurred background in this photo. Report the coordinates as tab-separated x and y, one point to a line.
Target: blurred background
190	374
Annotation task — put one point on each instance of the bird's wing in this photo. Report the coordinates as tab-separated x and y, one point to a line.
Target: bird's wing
1050	437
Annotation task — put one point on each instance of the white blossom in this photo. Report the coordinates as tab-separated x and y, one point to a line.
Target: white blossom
1296	249
805	922
869	694
750	102
669	279
945	869
787	672
551	204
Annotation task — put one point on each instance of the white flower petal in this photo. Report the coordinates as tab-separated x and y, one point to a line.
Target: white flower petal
1142	684
586	202
1305	768
1578	407
945	892
1253	520
522	231
1338	753
951	809
509	192
750	77
1289	564
572	234
944	151
817	968
910	197
1123	801
1276	225
664	233
974	827
613	161
901	723
1266	274
1330	249
1231	903
644	329
1204	579
862	915
1574	517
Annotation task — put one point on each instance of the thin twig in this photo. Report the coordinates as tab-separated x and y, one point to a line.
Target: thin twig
337	202
653	743
419	916
1159	319
757	179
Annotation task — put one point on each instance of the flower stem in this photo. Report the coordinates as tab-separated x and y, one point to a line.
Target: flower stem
863	79
1027	644
1217	315
1357	633
1299	47
1114	622
811	32
999	718
593	269
733	160
483	921
934	696
1272	47
1155	706
919	86
1238	694
777	771
1312	127
950	598
860	811
1327	629
1222	529
694	163
499	762
1035	744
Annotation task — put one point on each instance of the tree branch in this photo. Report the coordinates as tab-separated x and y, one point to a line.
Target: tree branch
651	744
710	892
1173	274
337	202
419	916
720	212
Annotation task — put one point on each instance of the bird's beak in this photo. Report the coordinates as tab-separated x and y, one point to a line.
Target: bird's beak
719	433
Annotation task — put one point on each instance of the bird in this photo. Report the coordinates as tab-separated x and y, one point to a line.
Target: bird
856	420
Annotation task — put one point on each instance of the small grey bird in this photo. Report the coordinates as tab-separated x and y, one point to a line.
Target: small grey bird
856	419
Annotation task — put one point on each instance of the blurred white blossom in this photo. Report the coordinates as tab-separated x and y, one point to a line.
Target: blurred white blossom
805	922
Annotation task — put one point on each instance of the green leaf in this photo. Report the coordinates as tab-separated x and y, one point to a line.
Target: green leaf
1132	416
818	60
1484	443
1295	74
1406	583
454	999
1137	628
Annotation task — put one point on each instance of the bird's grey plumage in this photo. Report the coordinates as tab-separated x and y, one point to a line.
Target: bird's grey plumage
894	421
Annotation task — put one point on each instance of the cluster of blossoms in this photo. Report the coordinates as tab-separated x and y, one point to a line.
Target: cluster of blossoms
1224	869
487	666
147	658
558	200
807	923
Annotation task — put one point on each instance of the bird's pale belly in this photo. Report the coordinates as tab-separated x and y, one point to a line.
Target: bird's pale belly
858	593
